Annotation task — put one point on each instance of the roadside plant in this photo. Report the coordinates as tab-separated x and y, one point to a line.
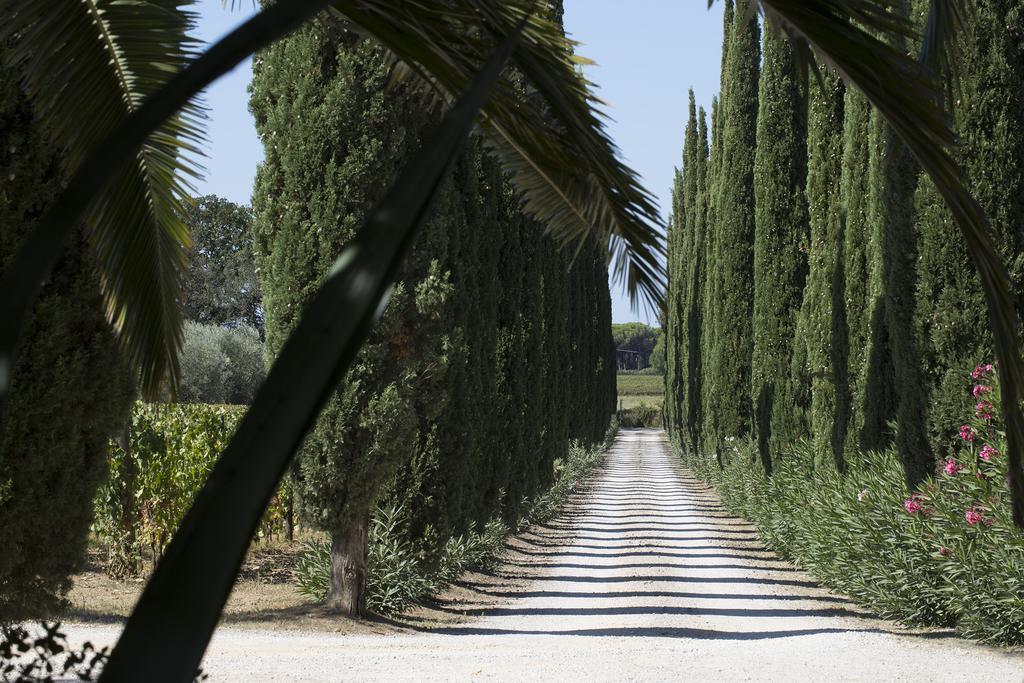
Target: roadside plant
945	553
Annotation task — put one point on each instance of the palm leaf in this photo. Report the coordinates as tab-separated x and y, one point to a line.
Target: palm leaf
856	37
566	167
578	187
175	617
89	65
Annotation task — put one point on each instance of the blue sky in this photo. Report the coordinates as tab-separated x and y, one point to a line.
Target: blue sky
648	52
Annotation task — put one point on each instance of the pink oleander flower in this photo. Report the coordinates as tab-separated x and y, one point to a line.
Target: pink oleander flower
981	371
987	453
972	516
952	467
944	551
967	432
980	389
862	495
983	410
912	506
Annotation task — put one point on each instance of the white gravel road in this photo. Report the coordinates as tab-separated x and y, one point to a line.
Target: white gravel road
644	577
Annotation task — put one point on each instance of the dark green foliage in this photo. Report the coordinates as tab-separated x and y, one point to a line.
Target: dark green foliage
221	285
892	177
734	258
989	114
780	239
912	554
71	389
681	256
823	314
856	231
635	337
492	354
697	272
707	308
334	140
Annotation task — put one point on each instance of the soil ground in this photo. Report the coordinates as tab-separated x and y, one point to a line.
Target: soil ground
643	576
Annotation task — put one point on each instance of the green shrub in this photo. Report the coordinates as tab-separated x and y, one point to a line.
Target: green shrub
643	415
945	554
398	574
220	364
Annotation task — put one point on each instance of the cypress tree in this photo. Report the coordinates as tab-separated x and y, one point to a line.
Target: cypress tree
708	419
696	285
822	328
684	201
734	258
71	390
334	138
892	175
856	229
673	314
710	297
989	117
780	266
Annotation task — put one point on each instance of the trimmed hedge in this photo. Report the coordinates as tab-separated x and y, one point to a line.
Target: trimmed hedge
944	554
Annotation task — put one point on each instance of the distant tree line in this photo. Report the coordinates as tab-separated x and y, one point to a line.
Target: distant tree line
638	346
818	287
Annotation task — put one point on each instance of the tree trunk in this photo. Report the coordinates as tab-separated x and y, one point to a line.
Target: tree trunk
289	517
348	570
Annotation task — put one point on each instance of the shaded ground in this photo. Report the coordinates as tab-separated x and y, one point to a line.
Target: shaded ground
644	576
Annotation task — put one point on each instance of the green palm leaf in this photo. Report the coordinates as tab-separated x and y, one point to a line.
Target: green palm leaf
89	65
578	187
566	167
856	37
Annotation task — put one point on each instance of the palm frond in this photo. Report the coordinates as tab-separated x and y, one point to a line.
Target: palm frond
857	38
939	44
577	187
89	64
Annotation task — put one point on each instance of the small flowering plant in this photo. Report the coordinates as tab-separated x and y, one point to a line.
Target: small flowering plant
964	518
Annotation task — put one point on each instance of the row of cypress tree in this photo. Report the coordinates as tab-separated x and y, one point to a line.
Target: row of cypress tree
495	350
818	288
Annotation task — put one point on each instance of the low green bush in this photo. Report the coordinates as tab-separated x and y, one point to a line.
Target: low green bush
155	475
397	573
220	364
643	415
945	554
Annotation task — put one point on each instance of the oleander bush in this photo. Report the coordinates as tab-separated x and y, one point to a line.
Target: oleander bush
944	554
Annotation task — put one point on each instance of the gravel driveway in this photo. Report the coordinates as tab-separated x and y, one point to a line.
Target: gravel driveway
644	577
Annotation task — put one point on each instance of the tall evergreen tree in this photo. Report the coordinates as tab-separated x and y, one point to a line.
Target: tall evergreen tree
333	141
734	258
71	390
822	312
856	229
708	303
780	265
989	117
684	202
696	283
711	295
